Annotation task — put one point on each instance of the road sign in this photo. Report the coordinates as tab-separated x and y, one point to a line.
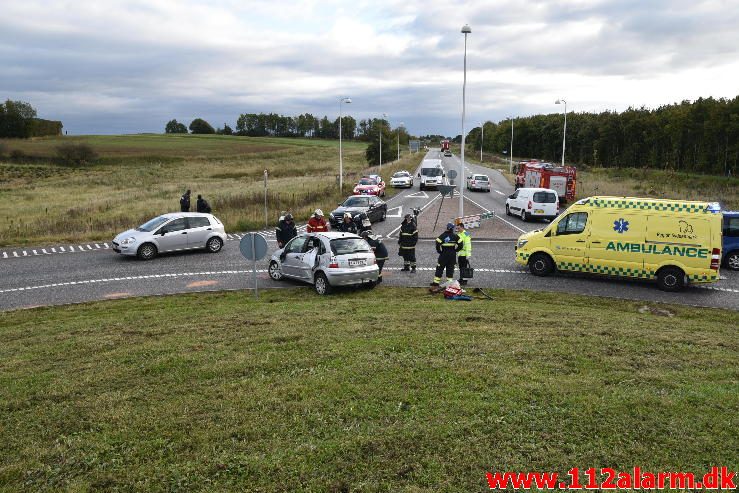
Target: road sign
446	190
253	246
451	174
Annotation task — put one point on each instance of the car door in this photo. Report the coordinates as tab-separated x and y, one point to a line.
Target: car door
173	235
512	201
569	242
292	256
313	248
198	231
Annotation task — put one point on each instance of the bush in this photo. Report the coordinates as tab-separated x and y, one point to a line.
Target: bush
200	126
17	155
3	149
75	154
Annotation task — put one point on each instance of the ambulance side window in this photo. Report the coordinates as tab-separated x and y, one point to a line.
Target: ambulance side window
572	224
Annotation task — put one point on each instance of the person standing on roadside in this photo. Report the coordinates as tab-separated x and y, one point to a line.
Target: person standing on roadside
203	205
286	230
447	246
379	248
185	202
316	223
465	253
407	243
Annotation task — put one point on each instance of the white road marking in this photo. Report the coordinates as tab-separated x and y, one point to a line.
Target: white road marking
418	195
61	249
5	254
498	191
44	250
35	252
399	214
15	254
53	250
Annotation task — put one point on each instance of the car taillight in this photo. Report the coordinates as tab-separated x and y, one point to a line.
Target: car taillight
529	207
334	264
715	258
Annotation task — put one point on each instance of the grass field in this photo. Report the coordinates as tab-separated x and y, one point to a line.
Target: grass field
218	392
634	182
140	176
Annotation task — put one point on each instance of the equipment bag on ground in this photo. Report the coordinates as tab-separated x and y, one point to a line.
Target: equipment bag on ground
467	273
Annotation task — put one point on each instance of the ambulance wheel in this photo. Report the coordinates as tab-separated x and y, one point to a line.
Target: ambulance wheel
671	279
540	264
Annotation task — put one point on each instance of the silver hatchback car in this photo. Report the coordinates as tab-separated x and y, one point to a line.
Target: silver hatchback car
326	260
172	232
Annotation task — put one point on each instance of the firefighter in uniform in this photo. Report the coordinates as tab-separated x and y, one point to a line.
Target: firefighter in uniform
379	248
407	241
447	244
465	253
347	225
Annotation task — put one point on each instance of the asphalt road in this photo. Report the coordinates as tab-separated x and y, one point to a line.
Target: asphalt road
84	272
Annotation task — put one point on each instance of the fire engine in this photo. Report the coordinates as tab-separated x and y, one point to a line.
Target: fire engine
536	174
444	145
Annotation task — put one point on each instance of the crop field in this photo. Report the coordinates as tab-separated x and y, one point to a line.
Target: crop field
219	392
636	182
137	177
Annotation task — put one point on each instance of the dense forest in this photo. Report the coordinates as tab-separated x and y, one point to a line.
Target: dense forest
699	136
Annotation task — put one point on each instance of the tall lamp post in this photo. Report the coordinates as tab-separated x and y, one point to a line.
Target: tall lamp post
341	156
564	133
401	124
510	164
465	30
482	138
382	126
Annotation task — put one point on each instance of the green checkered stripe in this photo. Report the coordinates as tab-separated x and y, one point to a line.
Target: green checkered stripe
605	270
524	256
703	277
651	205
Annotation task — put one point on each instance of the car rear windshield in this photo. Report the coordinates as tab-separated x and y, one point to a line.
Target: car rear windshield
153	224
348	246
545	197
480	178
356	202
431	171
367	181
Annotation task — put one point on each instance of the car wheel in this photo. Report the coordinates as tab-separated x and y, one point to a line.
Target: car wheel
732	261
384	215
540	264
523	215
147	251
507	210
671	279
321	284
214	245
275	273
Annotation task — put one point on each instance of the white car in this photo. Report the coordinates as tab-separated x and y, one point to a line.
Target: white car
401	179
478	182
172	232
528	203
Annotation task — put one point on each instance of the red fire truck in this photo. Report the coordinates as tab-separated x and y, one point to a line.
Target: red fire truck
444	145
536	174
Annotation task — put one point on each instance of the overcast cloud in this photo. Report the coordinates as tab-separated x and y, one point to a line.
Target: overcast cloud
130	66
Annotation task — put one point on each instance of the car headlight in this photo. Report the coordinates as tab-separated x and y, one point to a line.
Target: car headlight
521	243
129	241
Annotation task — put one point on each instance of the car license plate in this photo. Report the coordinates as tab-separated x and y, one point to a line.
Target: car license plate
356	262
539	211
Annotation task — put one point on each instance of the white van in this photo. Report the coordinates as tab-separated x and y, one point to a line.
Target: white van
431	174
528	203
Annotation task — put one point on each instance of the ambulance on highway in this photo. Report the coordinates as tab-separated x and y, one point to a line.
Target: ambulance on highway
675	242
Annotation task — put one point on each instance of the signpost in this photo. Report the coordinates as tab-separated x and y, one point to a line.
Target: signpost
253	247
266	225
444	190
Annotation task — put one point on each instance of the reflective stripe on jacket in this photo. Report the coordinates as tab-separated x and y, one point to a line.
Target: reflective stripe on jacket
466	244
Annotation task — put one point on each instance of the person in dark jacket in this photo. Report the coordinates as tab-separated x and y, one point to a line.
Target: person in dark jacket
379	248
185	202
286	230
407	243
347	225
447	245
363	223
203	205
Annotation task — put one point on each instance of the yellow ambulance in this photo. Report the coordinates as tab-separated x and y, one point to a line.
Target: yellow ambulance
674	242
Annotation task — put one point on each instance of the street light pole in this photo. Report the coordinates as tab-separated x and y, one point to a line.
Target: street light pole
341	157
382	126
482	138
510	165
401	124
564	133
465	30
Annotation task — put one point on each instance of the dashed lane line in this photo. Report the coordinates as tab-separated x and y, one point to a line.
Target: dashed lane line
499	192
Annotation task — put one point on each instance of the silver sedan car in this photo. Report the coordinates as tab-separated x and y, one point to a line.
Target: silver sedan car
326	260
172	232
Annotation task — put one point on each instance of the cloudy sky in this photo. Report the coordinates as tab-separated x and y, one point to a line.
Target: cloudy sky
130	66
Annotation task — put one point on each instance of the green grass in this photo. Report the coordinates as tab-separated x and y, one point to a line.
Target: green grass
140	176
218	392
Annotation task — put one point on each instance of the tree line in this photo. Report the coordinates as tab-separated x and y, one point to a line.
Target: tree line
700	136
18	120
